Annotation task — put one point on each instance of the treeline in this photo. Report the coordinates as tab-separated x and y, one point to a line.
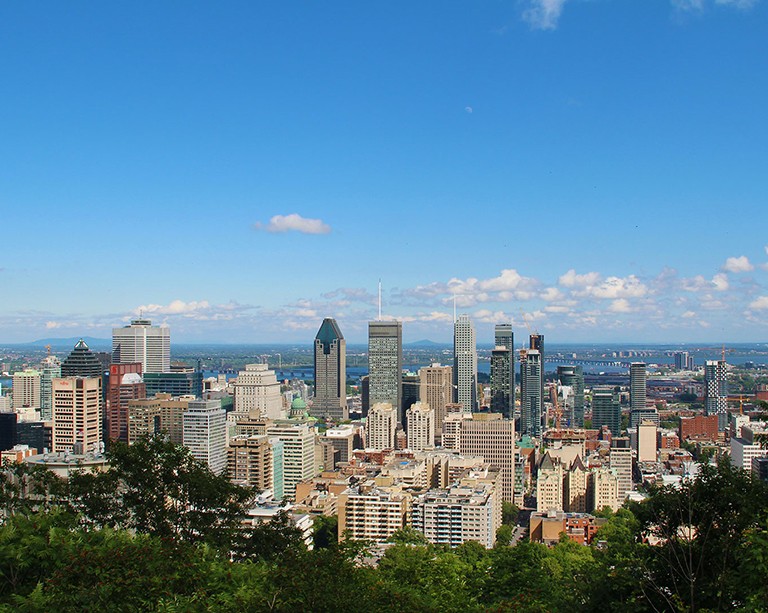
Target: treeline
159	532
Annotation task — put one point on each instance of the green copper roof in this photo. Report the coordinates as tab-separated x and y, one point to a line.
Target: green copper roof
329	332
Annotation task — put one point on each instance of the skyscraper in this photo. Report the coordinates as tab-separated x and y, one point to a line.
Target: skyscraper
49	370
125	384
637	393
531	378
77	414
330	373
205	433
465	363
573	378
606	410
421	427
385	364
716	391
26	389
82	362
435	388
381	426
536	341
142	342
503	371
257	394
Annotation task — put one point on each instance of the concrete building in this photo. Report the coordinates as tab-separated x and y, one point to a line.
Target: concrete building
205	433
435	389
467	511
144	419
503	371
531	392
385	364
421	427
637	391
26	390
646	442
572	377
606	410
549	485
491	437
576	488
82	362
298	453
716	391
330	400
257	394
381	426
172	411
451	437
620	461
123	386
50	369
605	490
373	513
343	439
250	462
77	414
465	363
142	342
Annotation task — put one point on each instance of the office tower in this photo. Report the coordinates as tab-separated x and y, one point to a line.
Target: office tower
298	454
26	389
330	373
536	341
144	418
142	342
716	391
172	411
181	382
435	388
493	438
531	377
572	377
124	384
465	363
502	382
385	364
421	427
646	442
381	426
606	410
205	433
257	393
82	362
637	390
77	414
250	462
620	461
49	370
344	439
8	430
503	336
411	386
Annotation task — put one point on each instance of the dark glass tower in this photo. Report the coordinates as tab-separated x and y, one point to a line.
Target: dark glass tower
82	362
330	400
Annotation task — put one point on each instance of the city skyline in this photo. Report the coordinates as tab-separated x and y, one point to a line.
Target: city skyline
232	152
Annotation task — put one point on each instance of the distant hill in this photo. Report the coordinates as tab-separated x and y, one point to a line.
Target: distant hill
424	343
68	343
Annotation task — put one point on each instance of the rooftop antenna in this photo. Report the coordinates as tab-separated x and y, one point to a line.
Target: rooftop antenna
379	300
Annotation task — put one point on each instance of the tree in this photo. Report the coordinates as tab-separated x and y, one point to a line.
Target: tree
509	513
325	531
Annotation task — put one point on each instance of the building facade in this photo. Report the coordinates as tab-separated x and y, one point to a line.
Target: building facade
716	391
257	394
421	427
465	363
142	342
205	433
531	382
385	364
330	369
77	414
381	426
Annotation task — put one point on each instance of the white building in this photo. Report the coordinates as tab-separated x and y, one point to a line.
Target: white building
26	389
421	426
257	394
436	389
371	513
205	433
49	370
381	426
142	342
298	454
465	363
646	441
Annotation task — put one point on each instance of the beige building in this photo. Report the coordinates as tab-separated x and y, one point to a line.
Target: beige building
605	490
381	426
249	462
451	435
549	485
257	394
373	513
576	488
26	389
144	418
490	436
435	389
172	411
421	426
77	414
646	441
299	462
620	459
342	439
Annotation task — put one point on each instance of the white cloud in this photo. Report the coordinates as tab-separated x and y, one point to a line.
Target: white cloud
294	223
571	279
543	14
738	264
176	307
469	109
719	283
551	294
620	305
759	304
689	314
739	4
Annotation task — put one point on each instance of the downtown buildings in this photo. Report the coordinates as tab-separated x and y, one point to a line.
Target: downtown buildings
330	369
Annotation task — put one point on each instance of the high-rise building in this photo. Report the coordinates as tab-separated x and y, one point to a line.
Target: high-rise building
421	427
82	362
330	400
536	341
637	391
381	426
184	382
257	393
77	414
493	438
385	363
435	388
250	462
716	391
683	360
646	442
298	453
142	342
620	460
205	433
411	388
503	375
144	418
572	377
124	385
26	389
606	410
531	377
465	363
49	370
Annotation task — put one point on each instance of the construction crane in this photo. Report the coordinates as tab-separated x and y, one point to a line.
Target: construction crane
48	349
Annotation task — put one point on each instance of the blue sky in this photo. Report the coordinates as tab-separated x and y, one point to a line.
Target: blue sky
241	170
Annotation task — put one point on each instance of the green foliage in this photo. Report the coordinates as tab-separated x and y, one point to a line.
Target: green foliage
325	531
509	513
